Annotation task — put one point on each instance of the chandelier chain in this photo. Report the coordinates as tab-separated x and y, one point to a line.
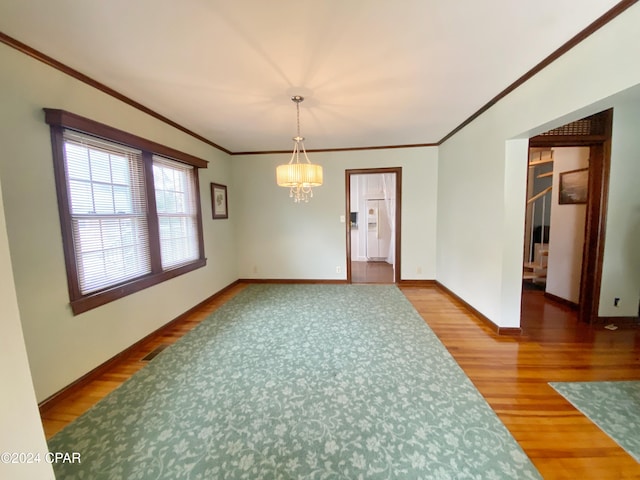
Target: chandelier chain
298	116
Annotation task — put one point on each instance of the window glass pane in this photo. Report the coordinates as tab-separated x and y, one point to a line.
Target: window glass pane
167	178
120	170
180	203
110	251
77	161
81	197
117	267
110	230
178	240
122	199
103	198
100	166
158	181
89	238
91	266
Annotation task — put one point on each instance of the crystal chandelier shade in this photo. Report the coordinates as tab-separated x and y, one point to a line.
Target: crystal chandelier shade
299	176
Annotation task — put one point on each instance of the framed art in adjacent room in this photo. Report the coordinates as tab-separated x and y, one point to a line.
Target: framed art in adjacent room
573	186
219	201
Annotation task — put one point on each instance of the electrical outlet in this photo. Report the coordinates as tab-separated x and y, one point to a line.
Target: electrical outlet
255	269
338	269
419	270
616	301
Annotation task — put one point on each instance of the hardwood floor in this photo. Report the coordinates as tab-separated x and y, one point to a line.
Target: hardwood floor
511	372
63	411
371	272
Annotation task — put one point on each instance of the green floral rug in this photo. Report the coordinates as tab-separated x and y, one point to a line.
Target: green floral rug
613	406
292	382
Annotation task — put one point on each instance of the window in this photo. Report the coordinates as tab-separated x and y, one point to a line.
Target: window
177	213
108	211
129	210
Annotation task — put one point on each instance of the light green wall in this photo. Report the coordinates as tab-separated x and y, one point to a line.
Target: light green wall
482	173
20	427
278	239
63	347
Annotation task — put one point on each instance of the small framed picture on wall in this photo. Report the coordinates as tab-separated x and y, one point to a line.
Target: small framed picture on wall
574	186
219	201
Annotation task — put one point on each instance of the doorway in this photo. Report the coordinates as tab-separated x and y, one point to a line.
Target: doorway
593	132
373	206
555	221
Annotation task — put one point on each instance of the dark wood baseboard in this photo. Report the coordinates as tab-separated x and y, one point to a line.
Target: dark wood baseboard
402	283
618	321
289	280
73	387
417	283
562	301
506	331
624	322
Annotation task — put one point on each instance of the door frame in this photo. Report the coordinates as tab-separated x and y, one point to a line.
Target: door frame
596	214
372	171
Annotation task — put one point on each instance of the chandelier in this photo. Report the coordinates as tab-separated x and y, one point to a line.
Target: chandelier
300	177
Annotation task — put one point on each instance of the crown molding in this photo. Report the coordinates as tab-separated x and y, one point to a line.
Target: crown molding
575	40
52	62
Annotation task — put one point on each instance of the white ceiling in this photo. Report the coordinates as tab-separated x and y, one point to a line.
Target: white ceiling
373	72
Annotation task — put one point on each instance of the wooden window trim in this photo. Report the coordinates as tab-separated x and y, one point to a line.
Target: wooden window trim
81	124
59	120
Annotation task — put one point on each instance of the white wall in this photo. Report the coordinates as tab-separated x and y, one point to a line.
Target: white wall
62	347
21	430
621	268
278	239
482	170
566	235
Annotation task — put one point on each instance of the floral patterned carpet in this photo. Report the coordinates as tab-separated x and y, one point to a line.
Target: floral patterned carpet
292	382
613	406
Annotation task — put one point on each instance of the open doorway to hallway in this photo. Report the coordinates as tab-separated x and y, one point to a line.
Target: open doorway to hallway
564	241
555	221
373	230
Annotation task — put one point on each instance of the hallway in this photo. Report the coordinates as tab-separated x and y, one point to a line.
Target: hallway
545	320
371	272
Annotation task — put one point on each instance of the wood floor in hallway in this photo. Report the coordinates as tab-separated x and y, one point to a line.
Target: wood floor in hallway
512	373
371	272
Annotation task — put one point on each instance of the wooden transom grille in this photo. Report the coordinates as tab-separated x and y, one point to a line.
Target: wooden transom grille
593	125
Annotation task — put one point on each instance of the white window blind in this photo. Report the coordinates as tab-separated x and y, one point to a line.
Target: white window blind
108	211
177	211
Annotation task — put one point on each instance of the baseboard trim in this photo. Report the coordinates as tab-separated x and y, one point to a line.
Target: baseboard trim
417	283
503	331
290	280
619	321
76	385
401	283
562	301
